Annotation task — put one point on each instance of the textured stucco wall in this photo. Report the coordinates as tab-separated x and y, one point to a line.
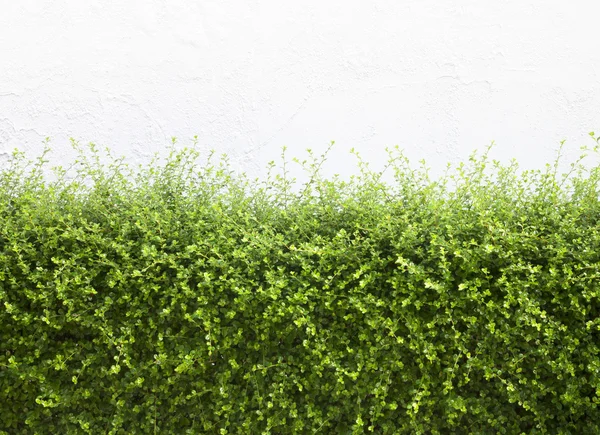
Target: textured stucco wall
437	77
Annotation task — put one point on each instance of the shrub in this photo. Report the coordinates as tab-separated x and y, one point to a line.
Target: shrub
183	298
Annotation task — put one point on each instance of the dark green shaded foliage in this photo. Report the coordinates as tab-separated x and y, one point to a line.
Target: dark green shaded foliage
181	298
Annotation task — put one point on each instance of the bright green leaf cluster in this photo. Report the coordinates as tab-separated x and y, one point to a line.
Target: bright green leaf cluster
183	298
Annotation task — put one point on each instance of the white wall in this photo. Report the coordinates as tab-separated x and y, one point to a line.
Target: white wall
437	77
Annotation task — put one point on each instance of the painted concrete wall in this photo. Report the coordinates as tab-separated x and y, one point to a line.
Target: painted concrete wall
437	77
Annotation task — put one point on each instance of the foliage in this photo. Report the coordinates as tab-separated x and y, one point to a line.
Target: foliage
183	298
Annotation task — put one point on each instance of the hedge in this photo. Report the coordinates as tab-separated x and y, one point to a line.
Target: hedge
181	297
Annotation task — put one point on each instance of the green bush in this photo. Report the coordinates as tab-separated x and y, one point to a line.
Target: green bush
183	298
